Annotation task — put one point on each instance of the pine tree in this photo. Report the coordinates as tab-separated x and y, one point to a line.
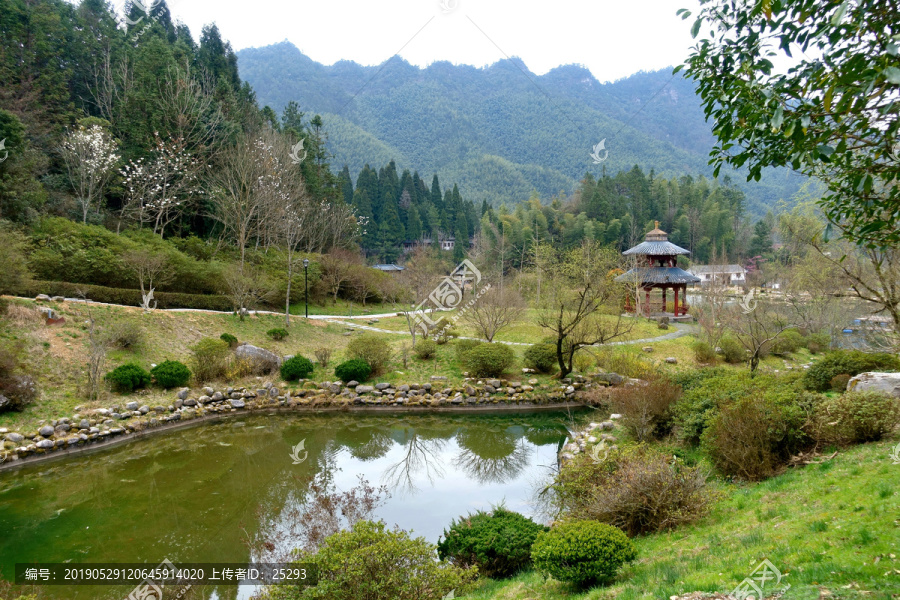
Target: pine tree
346	185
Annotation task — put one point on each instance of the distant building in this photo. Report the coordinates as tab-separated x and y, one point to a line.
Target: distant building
728	274
390	268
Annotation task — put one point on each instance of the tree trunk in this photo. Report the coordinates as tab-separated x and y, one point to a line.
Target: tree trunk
563	369
287	300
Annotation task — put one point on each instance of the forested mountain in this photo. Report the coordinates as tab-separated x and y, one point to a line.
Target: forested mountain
499	132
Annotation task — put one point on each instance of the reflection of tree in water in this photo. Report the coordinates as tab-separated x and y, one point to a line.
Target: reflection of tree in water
420	455
365	442
491	455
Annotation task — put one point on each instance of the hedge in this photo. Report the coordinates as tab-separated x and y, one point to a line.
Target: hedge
128	297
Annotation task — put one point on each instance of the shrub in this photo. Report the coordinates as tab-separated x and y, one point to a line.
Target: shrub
171	373
229	339
497	542
443	331
489	360
353	369
639	490
296	367
584	360
703	352
463	346
372	561
125	334
541	357
839	383
732	350
128	377
210	359
323	356
124	296
373	350
850	362
17	389
582	552
753	436
818	342
788	342
425	349
857	417
277	333
646	408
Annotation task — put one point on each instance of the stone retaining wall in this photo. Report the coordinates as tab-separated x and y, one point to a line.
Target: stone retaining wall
94	426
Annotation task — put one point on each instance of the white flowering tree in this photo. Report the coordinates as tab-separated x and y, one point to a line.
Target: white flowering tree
160	188
91	155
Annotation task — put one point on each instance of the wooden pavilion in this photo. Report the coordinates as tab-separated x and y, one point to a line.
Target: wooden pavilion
656	270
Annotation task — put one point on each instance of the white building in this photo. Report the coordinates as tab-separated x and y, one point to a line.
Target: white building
728	274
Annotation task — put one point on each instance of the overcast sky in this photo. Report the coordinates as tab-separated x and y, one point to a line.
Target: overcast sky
611	38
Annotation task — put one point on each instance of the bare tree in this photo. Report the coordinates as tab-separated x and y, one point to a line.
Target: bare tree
756	326
189	107
151	269
495	310
246	287
586	307
337	267
90	154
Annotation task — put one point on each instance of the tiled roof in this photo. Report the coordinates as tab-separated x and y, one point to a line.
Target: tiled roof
658	275
664	248
390	267
703	269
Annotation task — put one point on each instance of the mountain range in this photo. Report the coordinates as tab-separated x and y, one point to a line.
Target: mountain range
501	132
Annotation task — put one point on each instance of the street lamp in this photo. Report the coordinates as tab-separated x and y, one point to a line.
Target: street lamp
306	285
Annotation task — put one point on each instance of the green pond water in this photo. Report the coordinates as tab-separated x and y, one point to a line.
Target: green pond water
197	494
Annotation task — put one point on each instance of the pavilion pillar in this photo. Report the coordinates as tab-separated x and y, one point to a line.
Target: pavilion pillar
664	300
647	304
676	301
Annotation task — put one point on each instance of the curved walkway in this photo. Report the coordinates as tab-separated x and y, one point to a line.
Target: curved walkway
681	330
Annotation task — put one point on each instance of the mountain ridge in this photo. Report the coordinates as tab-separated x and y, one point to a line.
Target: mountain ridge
458	120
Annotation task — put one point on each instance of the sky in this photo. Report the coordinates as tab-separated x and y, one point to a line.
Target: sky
613	39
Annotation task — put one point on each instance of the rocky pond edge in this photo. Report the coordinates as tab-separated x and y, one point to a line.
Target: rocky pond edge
96	428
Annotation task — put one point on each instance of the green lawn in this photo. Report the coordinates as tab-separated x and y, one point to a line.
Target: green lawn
832	529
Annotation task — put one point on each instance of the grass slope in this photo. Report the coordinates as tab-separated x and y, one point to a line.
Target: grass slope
832	529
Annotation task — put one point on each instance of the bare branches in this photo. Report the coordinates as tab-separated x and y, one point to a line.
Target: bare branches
495	310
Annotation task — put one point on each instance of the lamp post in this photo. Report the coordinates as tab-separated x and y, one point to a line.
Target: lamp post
306	285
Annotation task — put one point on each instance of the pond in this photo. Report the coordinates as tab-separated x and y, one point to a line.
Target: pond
197	494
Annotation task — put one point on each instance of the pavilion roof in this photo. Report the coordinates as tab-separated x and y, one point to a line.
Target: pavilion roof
658	275
656	243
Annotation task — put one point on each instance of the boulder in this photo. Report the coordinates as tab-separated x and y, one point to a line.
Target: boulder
254	353
42	298
672	360
46	431
647	349
364	389
889	383
183	393
237	403
15	438
132	406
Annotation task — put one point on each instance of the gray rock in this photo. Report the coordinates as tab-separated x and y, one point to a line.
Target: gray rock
490	389
439	378
237	403
253	353
217	397
494	383
46	431
84	424
190	402
132	406
334	388
382	386
647	349
42	298
45	444
404	388
273	392
144	409
63	427
59	298
352	383
607	425
201	400
888	383
208	391
15	438
672	360
364	389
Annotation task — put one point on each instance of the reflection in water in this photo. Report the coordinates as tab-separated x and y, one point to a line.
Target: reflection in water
420	456
199	494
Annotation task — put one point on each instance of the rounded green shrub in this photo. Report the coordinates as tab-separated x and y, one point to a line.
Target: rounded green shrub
425	349
128	377
210	359
171	373
732	350
541	357
489	360
277	333
818	342
463	346
855	417
703	352
353	369
851	362
788	342
229	339
497	542
372	561
296	367
582	552
372	349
